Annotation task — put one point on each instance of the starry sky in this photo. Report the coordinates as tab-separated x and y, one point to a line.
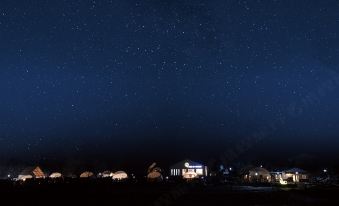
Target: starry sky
173	78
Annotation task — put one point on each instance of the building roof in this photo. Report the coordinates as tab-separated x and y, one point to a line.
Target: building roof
119	172
35	171
55	175
259	170
154	175
86	174
27	171
120	175
181	164
295	170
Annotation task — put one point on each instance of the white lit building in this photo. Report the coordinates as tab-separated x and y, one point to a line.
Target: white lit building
55	175
119	175
188	169
291	176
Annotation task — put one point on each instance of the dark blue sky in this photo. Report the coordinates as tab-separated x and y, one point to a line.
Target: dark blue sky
174	77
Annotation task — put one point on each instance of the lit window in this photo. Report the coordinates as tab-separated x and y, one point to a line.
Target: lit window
199	171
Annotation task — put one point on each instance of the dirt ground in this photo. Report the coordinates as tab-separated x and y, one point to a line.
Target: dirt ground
109	193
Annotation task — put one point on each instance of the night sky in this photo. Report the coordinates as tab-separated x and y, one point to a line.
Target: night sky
163	80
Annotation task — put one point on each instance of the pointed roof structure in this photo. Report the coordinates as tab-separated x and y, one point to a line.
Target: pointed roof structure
260	170
296	170
35	172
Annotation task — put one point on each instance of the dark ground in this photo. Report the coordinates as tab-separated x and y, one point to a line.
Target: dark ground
96	192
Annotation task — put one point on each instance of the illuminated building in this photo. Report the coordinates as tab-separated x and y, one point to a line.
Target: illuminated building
31	172
106	174
87	174
119	175
188	169
154	173
258	174
55	175
154	176
291	176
